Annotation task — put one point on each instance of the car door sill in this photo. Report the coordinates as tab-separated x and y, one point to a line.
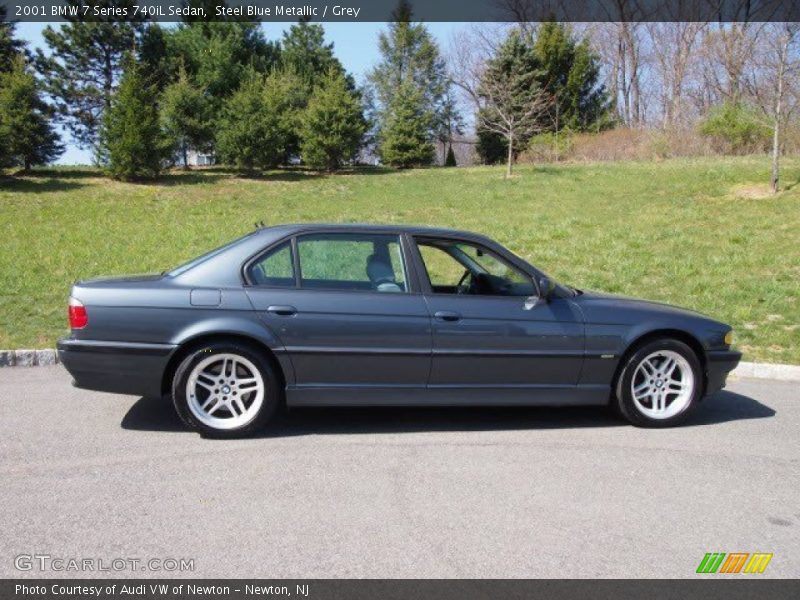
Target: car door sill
447	395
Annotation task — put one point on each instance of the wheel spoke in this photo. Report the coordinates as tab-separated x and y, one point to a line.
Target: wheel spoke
239	405
219	403
211	398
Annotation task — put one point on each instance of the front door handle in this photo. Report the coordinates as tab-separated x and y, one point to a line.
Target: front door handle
282	310
447	315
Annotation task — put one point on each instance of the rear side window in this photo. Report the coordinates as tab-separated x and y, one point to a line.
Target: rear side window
366	262
275	268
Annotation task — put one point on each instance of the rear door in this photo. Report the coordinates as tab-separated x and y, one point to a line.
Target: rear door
345	307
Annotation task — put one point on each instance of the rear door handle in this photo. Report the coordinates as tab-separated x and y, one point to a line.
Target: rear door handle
282	310
447	315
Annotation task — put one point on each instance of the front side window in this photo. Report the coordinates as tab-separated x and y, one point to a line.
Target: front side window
352	262
455	267
274	269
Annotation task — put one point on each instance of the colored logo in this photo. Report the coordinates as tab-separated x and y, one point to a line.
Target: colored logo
735	562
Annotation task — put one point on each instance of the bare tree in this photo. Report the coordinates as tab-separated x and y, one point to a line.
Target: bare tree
505	114
773	84
673	47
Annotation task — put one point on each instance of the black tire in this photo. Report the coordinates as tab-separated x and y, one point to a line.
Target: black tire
624	401
256	422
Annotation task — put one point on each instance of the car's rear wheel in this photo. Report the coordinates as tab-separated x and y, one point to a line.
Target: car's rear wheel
660	384
225	389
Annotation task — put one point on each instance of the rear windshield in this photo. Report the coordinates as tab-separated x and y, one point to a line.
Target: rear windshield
200	259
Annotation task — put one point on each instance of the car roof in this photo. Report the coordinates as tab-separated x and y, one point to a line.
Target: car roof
292	228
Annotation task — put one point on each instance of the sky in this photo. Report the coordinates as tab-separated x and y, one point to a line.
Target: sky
355	44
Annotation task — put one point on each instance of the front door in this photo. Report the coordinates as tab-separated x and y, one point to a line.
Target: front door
488	333
343	306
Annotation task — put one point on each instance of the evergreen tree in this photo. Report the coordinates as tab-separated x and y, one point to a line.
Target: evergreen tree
333	124
304	51
185	116
405	139
26	133
85	64
257	121
570	72
409	57
10	47
131	143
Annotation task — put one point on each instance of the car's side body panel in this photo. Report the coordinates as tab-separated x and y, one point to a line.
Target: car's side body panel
364	347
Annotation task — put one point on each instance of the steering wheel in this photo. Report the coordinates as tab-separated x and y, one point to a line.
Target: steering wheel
461	288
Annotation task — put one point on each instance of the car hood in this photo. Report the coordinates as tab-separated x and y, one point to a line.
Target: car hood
602	307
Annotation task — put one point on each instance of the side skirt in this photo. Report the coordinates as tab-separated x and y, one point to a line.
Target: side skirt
325	395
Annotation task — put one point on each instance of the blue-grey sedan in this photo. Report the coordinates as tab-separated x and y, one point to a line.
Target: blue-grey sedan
356	315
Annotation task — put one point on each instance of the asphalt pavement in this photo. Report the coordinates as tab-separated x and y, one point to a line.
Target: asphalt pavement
395	492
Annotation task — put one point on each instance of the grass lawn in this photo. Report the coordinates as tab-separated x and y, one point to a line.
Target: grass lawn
697	233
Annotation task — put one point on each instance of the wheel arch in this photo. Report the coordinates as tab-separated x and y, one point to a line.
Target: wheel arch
677	334
193	343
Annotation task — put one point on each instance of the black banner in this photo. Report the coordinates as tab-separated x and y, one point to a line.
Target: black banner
712	587
424	10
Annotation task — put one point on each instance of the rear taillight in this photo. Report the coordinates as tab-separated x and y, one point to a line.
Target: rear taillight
78	319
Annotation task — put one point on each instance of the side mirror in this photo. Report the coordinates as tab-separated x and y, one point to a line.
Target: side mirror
546	287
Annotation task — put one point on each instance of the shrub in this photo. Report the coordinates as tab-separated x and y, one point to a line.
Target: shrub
735	128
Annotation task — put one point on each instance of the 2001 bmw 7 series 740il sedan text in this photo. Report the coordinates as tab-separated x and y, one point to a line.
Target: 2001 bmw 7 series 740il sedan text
335	315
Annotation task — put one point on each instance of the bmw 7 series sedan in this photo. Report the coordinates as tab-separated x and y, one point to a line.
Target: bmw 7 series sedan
356	315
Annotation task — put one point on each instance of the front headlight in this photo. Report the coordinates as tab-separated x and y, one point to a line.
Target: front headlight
729	338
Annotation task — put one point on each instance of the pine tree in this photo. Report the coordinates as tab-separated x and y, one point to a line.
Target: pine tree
570	72
410	57
10	47
257	121
131	143
85	64
405	140
185	116
26	132
333	123
304	51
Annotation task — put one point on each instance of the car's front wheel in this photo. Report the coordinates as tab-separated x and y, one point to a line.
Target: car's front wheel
660	383
225	389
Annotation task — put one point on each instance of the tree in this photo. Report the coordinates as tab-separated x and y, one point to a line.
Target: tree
257	121
405	139
83	70
333	124
570	73
131	144
304	51
778	66
10	47
513	101
409	58
27	137
185	116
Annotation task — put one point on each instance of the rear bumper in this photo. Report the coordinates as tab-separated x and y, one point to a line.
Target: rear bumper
720	363
116	367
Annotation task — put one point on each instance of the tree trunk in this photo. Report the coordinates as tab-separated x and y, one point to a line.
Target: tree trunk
510	153
185	152
776	129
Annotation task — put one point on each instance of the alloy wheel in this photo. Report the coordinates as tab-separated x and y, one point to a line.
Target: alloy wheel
662	385
225	391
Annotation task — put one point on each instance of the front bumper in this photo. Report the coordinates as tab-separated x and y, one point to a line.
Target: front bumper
720	363
116	367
